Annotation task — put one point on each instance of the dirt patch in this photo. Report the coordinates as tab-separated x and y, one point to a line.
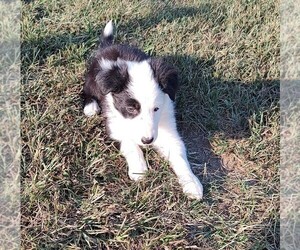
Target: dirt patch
232	163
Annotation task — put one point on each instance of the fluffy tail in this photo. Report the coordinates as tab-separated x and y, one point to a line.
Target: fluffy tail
107	35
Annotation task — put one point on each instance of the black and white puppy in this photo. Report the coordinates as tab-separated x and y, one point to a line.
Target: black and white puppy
136	94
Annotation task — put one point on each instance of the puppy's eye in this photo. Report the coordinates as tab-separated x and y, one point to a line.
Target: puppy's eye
131	110
155	109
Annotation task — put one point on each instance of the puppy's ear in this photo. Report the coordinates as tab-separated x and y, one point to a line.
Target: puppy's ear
113	80
166	75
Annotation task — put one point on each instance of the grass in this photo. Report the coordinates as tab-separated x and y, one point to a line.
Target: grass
9	122
75	189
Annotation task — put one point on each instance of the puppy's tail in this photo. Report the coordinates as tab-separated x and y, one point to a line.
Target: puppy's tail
107	35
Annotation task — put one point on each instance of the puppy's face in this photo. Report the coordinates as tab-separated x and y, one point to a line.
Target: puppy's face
139	91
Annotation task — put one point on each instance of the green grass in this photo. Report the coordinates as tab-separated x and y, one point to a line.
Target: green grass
75	190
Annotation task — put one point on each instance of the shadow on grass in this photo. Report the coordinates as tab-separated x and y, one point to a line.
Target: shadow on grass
209	107
168	13
39	49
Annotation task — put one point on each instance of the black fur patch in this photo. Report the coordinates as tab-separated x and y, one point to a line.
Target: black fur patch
113	80
166	75
126	105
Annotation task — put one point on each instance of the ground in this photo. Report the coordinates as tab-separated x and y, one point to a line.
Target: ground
75	190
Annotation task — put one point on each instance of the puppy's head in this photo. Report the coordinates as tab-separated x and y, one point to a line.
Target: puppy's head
139	91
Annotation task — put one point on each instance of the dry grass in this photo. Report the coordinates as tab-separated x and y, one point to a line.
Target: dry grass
76	193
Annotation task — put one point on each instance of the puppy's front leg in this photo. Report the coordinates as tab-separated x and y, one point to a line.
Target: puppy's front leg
135	160
172	148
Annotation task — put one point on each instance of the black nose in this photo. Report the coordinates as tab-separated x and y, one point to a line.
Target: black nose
147	140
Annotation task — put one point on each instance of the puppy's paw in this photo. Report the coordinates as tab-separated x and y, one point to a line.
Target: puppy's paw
192	187
91	109
136	174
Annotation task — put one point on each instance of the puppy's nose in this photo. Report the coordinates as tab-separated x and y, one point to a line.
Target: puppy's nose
146	140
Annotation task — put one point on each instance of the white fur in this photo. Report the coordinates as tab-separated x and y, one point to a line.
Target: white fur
109	29
91	109
160	125
134	156
108	64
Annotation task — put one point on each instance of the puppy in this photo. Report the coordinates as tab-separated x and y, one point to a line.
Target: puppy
136	95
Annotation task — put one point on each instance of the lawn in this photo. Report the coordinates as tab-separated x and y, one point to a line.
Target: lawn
75	190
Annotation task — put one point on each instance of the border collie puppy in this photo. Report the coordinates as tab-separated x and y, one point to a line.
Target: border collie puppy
136	95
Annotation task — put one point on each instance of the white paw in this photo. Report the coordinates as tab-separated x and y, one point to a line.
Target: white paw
91	108
192	187
137	174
